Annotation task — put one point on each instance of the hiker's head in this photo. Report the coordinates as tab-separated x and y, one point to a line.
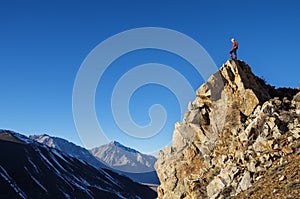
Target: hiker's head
232	40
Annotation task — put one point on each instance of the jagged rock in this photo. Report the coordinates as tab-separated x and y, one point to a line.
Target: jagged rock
184	132
266	130
246	181
276	133
239	156
268	164
243	137
192	116
276	147
287	150
249	102
251	166
261	144
215	187
290	139
286	101
271	122
258	177
190	106
296	98
236	125
282	178
228	173
296	133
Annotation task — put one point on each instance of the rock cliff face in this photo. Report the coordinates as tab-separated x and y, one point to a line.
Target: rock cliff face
231	134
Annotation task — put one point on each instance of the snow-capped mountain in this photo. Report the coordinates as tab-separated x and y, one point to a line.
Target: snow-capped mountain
29	169
69	148
139	167
145	174
124	158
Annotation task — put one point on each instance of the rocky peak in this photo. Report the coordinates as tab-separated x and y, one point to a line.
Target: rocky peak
221	145
124	158
122	147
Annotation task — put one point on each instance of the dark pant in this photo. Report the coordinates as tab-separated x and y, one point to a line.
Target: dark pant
234	52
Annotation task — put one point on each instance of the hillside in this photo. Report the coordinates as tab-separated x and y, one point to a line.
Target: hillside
237	133
69	148
282	180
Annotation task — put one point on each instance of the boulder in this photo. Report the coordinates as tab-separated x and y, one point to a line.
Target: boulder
246	181
215	187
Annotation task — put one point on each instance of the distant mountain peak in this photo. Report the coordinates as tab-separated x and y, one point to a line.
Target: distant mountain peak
121	146
115	142
124	158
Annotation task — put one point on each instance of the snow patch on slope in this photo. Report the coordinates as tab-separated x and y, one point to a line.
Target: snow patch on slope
12	183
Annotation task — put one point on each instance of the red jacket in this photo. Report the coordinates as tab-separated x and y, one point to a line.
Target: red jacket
235	45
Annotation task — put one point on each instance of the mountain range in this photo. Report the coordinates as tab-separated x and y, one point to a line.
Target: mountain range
29	169
69	148
114	156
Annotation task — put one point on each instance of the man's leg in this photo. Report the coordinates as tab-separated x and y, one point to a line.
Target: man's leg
235	53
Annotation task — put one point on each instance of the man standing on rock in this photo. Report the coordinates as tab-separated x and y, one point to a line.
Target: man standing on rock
235	46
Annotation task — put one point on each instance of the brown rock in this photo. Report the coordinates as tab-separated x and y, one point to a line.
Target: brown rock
246	181
287	150
228	131
261	144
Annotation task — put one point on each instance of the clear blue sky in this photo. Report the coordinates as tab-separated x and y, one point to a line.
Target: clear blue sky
43	43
